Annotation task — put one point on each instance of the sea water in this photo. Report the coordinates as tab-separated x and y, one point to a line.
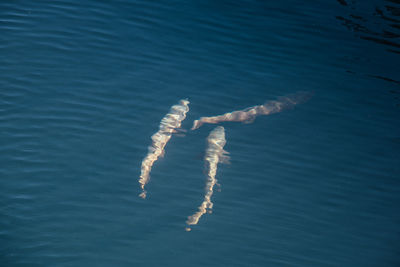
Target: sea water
85	84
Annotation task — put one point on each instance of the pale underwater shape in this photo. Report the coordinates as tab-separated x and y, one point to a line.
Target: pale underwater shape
169	124
215	153
248	115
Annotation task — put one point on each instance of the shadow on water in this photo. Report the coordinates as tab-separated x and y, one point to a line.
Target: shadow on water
377	23
380	24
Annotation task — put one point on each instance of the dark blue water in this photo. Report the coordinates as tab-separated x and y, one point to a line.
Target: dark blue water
83	86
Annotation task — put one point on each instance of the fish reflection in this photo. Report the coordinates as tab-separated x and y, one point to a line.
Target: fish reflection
215	153
248	115
169	124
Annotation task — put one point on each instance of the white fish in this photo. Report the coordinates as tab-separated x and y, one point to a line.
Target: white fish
169	125
215	154
248	115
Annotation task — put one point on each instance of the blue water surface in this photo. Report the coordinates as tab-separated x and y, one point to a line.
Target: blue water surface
84	85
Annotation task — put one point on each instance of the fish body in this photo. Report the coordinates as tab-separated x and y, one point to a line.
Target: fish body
248	115
215	154
168	125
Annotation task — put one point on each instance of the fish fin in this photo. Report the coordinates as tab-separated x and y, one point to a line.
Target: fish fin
182	130
143	194
249	120
224	159
196	124
179	130
218	187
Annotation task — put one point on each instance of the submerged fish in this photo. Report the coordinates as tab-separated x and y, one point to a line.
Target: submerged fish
215	154
169	125
248	115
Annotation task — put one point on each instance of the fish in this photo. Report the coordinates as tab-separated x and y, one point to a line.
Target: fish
214	155
169	125
248	115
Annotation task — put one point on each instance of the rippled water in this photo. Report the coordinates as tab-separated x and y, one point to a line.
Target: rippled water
83	86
